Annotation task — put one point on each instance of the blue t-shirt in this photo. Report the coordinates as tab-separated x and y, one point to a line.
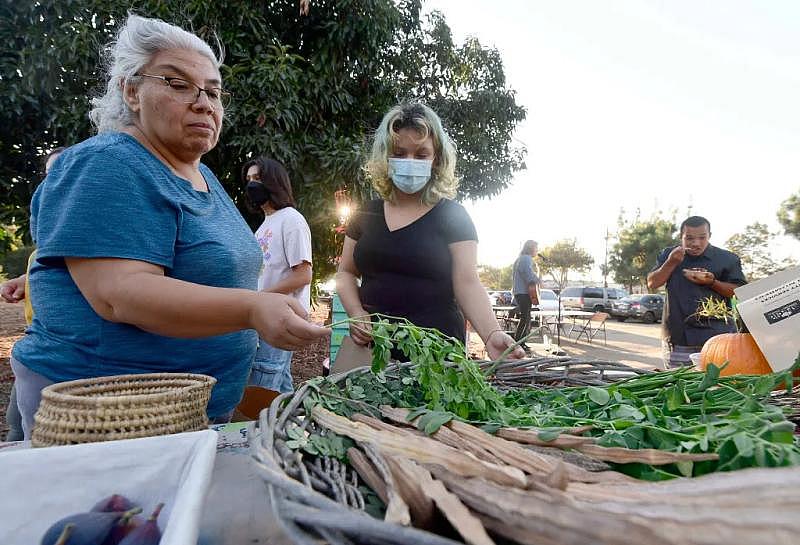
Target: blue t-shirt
109	197
522	275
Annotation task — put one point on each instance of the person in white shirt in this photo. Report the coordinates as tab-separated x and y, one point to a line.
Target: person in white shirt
285	241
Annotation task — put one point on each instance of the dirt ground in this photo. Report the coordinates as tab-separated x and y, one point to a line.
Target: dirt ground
630	343
12	325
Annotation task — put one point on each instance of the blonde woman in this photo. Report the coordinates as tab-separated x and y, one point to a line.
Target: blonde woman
415	249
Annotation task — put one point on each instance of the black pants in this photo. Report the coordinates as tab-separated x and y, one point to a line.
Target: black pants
524	307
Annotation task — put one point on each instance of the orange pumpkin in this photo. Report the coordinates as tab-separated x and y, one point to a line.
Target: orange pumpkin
739	350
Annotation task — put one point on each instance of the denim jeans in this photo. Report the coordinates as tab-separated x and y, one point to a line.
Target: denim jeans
272	368
29	387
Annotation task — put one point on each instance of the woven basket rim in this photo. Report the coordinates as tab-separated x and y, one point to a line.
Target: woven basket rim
192	381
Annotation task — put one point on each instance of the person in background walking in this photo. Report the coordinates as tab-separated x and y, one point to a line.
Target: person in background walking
285	241
525	287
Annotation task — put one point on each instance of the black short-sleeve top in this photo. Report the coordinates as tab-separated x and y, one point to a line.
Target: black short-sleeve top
408	272
684	296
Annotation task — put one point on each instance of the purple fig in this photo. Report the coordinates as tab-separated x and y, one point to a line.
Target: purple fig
65	533
146	534
122	528
113	503
87	528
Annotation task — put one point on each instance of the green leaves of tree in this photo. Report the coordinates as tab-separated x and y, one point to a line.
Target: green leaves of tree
562	257
308	91
638	243
753	248
789	215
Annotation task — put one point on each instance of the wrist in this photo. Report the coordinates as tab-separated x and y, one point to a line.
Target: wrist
252	305
491	333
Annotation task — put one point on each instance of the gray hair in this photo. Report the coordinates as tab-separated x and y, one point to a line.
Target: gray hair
529	246
137	42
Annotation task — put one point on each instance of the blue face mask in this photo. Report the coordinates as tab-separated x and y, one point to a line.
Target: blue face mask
410	175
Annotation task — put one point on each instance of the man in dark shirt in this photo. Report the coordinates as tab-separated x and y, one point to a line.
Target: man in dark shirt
694	271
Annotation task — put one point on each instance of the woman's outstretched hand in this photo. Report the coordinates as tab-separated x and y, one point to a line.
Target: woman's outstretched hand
361	329
499	342
282	322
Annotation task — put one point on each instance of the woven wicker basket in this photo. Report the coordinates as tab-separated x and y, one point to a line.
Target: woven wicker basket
317	499
121	407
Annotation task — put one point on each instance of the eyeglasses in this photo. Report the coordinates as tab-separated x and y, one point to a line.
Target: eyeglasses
188	92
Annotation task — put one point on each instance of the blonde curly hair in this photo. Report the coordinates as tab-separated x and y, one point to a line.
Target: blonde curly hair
443	182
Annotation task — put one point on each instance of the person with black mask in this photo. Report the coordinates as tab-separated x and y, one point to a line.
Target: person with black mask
285	241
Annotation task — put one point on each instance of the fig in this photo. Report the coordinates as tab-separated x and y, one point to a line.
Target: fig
65	533
90	528
146	534
121	529
115	502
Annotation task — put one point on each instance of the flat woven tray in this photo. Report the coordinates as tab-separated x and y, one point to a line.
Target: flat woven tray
121	407
317	498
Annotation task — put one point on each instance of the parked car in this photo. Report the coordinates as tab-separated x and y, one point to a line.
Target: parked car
501	298
505	298
548	300
590	298
648	308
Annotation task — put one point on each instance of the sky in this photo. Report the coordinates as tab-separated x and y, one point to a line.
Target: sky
655	106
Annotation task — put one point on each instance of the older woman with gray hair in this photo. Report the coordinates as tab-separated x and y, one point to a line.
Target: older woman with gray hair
144	264
415	249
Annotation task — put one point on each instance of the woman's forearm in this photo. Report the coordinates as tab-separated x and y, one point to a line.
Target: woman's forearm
138	293
472	299
175	308
347	289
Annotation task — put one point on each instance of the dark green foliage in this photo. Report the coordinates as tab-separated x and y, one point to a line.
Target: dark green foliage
753	246
637	247
789	215
15	262
560	258
678	411
307	91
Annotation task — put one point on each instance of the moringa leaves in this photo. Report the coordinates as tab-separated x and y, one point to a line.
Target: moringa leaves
598	395
681	410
